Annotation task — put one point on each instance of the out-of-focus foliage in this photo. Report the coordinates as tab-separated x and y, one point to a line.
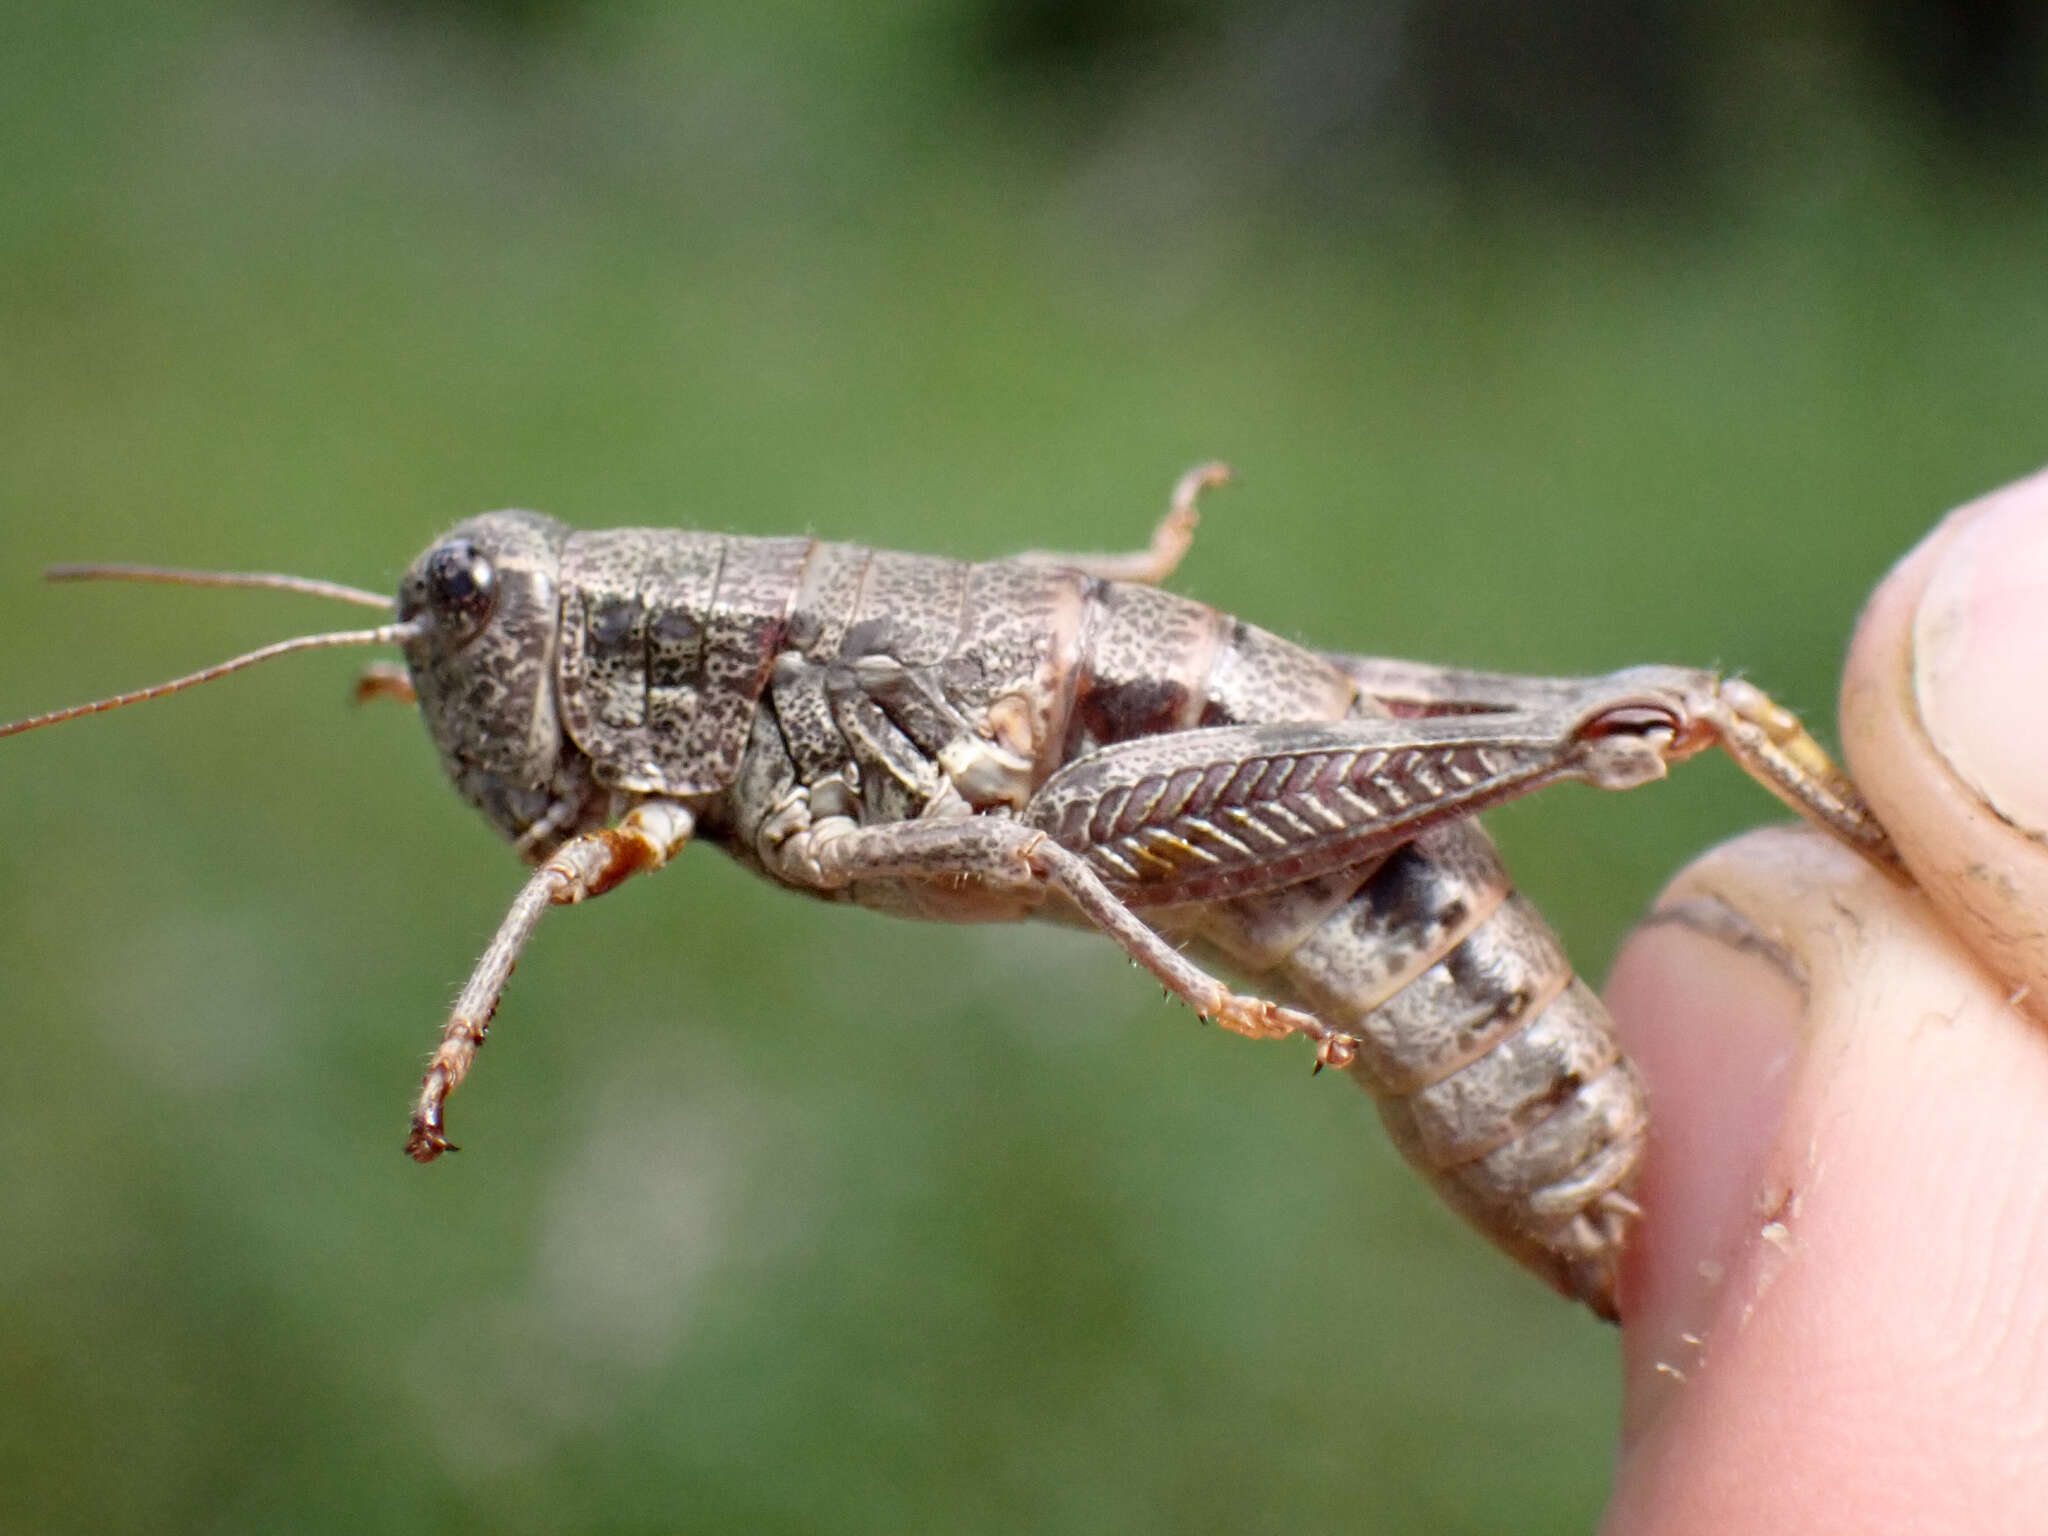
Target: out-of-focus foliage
775	1216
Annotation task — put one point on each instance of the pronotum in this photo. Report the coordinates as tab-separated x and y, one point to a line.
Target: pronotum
1054	736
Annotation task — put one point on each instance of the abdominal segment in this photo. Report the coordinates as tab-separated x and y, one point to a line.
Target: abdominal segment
1495	1069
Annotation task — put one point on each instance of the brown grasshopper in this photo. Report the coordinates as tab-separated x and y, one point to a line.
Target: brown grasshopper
1051	735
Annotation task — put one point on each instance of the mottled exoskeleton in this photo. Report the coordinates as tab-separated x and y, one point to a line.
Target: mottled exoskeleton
1055	736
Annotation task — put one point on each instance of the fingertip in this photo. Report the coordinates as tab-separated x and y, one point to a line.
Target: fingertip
1710	1011
1713	995
1841	1240
1943	729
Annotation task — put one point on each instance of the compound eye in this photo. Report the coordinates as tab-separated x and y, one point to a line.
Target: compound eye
461	586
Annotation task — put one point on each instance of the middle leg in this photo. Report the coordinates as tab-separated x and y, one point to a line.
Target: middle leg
1170	539
1013	859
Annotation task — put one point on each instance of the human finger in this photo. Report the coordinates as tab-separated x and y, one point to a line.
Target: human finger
1834	1309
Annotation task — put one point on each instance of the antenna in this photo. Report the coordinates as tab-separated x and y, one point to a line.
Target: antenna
383	634
172	577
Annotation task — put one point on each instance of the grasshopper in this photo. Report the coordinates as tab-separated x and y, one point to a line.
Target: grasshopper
1055	736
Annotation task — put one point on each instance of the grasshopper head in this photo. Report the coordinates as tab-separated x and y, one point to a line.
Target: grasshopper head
477	616
480	609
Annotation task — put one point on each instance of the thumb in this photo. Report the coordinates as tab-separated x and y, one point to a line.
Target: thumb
1835	1304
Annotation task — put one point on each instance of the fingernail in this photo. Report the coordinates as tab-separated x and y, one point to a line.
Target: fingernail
1980	655
1713	1012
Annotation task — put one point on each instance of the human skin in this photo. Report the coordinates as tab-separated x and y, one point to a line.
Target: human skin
1836	1308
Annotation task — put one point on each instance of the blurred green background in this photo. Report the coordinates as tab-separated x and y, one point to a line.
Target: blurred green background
1539	342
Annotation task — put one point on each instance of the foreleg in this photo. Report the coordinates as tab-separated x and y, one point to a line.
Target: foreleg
646	838
385	680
